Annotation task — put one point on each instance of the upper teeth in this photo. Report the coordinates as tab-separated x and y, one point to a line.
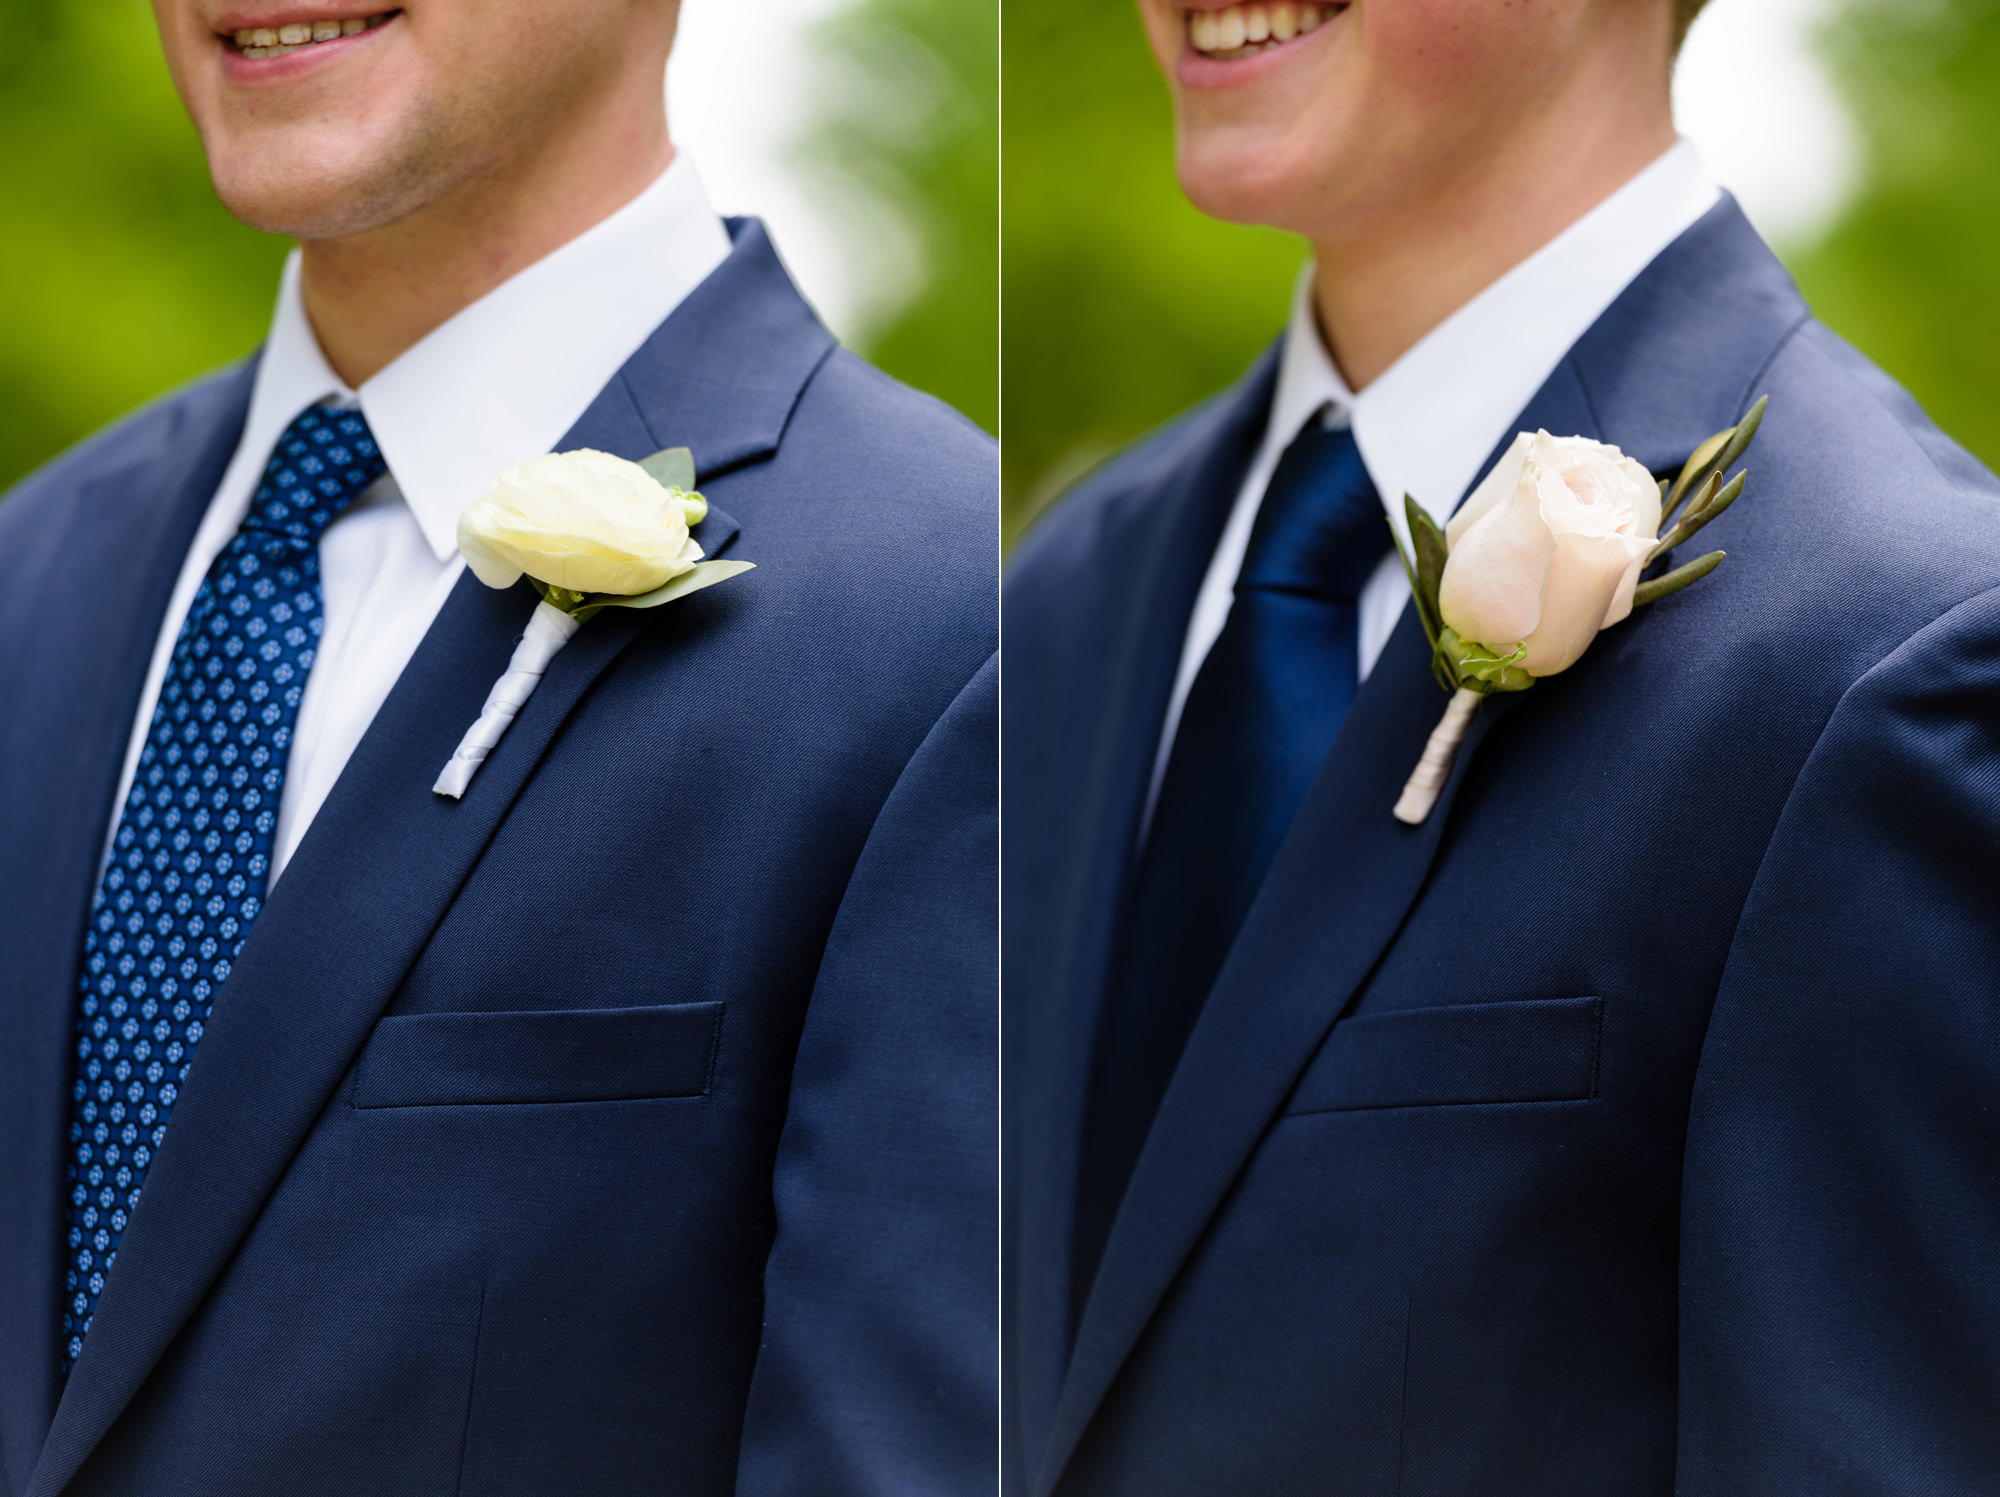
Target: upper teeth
1243	29
269	41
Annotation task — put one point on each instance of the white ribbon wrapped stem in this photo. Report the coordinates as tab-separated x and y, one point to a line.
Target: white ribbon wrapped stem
1427	780
549	629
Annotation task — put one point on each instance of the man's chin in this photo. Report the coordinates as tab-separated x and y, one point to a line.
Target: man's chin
1244	185
299	195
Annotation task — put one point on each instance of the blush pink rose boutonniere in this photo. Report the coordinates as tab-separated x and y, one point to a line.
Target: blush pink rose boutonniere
1544	554
591	532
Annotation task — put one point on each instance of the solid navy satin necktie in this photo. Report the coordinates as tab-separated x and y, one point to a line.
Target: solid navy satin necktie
1259	720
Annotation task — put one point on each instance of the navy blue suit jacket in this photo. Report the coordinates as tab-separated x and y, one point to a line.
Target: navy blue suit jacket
625	1127
1634	1124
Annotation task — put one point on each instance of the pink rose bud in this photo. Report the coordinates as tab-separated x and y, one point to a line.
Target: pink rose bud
1548	549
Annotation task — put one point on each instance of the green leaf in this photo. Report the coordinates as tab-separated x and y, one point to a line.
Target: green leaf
1678	578
702	574
1740	438
1427	539
1481	668
1410	573
1693	470
1711	504
1716	456
672	468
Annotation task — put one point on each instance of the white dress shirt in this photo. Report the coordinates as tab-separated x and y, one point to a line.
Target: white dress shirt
501	381
1428	422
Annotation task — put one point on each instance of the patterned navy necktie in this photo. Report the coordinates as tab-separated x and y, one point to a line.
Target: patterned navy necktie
191	859
1259	719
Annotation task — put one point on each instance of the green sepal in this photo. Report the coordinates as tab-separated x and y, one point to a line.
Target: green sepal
1478	667
567	599
702	574
672	468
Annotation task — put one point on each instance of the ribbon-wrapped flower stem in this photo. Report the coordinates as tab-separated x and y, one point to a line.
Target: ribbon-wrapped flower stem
549	629
591	531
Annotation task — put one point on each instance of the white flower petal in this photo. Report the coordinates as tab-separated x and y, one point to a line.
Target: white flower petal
583	520
1494	487
1584	577
1491	591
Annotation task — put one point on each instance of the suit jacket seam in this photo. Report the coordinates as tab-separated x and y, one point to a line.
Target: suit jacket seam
875	822
1874	396
1800	323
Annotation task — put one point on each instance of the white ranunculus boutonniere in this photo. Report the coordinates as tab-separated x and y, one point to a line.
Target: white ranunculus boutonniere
1545	553
591	531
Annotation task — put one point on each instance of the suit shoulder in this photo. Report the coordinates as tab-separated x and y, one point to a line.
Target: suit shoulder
146	432
879	504
1958	469
1847	452
1863	528
856	414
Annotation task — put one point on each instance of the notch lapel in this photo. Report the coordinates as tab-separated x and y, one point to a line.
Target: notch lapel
1162	545
1335	897
385	857
1675	359
82	661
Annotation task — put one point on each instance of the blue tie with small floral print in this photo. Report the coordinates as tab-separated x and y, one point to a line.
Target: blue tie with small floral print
191	860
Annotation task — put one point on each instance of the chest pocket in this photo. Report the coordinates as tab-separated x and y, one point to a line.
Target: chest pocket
567	1055
1539	1050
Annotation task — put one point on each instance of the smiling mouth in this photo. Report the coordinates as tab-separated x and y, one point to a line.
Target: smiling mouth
296	36
1246	30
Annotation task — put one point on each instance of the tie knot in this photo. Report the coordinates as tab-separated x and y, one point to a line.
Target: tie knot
1320	529
325	458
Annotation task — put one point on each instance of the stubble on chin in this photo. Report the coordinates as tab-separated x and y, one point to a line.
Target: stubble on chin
298	193
312	189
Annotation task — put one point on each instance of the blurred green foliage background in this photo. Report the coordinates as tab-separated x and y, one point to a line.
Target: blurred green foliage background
1909	273
914	123
122	277
1122	305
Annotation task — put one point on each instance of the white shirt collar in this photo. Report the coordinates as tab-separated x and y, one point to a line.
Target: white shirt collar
1426	424
508	375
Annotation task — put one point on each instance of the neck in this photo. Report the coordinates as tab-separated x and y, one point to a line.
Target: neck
373	295
1381	288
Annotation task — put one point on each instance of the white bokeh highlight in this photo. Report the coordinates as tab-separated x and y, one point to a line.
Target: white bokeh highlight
741	89
1754	97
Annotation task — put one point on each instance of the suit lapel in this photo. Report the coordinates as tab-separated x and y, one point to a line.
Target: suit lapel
1653	376
385	857
1335	897
1162	545
82	662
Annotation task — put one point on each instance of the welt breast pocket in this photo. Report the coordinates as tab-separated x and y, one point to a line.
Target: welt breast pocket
565	1055
1534	1050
